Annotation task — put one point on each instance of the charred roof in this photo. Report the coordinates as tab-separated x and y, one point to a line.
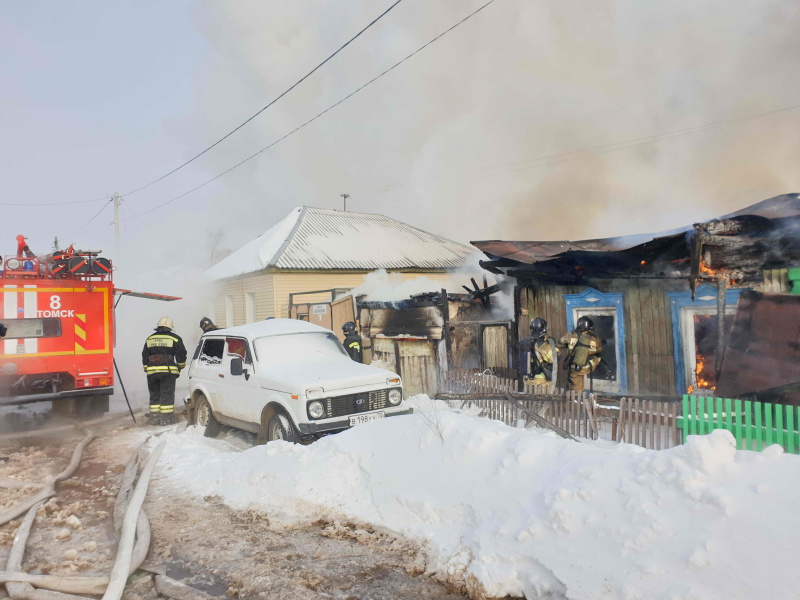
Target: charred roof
765	235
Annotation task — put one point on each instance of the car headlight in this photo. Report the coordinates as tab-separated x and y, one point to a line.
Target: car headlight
316	409
395	396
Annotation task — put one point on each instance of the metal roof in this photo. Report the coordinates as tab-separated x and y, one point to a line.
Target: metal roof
320	239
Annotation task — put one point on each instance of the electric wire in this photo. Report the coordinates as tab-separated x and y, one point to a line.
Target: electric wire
311	120
238	127
97	214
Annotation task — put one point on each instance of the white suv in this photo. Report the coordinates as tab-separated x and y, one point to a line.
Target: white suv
285	379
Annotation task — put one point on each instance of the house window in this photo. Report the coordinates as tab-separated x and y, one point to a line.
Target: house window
229	310
695	334
250	307
606	311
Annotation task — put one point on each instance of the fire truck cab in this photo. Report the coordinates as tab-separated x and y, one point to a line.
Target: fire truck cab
58	313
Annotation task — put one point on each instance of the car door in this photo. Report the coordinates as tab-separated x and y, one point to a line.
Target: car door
240	390
206	369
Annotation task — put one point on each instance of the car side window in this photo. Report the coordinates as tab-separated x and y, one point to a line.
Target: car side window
238	347
211	354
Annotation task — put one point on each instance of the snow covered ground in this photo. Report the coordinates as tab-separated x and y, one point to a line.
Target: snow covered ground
502	511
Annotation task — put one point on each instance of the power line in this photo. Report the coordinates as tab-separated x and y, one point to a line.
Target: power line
311	120
52	203
581	153
238	127
97	214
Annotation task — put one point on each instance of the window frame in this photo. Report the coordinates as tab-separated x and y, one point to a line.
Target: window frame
681	305
592	300
248	357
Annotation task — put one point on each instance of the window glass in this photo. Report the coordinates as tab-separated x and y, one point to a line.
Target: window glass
212	352
32	328
298	347
238	347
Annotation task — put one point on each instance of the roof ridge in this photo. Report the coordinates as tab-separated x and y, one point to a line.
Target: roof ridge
276	257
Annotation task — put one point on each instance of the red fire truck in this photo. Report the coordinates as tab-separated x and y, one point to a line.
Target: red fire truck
58	311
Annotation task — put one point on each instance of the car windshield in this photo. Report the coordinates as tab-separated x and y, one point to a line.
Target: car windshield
298	347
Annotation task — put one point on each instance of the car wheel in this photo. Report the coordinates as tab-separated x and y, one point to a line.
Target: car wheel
280	427
205	418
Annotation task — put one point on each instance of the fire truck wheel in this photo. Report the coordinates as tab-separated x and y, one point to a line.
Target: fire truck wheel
205	418
281	428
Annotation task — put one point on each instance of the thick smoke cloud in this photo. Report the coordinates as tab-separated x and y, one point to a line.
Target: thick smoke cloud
518	81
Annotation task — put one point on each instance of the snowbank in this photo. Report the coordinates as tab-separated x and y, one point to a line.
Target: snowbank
505	511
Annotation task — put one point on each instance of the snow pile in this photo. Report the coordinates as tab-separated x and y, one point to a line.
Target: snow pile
503	511
258	253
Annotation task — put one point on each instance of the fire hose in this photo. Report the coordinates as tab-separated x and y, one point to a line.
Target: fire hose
133	545
48	488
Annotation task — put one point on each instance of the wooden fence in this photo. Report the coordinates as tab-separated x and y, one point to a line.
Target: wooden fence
651	424
755	425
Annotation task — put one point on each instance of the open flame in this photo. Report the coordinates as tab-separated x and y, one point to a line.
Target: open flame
704	374
702	382
706	270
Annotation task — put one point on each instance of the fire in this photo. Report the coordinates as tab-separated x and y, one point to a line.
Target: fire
705	269
702	383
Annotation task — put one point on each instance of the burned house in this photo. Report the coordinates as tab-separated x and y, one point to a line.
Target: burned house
663	304
425	335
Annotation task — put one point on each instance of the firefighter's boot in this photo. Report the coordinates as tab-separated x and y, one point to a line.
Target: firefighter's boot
154	418
168	419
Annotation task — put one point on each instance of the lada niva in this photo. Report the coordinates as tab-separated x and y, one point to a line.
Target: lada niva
285	379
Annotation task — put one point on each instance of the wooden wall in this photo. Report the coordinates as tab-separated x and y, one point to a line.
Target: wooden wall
648	326
263	286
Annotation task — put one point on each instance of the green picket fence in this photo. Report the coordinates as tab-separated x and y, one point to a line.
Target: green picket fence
755	425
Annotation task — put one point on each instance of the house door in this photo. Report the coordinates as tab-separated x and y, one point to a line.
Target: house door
342	311
417	359
413	360
495	346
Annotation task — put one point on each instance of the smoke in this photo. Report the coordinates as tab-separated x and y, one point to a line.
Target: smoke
136	318
439	141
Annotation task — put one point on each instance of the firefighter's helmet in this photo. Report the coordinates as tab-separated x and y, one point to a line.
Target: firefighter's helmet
349	328
166	322
206	323
538	327
585	324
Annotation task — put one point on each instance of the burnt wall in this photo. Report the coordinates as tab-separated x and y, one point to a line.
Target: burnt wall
648	326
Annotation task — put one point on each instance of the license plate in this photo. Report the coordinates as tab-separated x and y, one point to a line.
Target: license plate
359	419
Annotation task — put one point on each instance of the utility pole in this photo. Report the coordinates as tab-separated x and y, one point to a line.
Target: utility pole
117	202
345	197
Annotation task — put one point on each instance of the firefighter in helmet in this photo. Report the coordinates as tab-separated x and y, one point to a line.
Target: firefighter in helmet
163	357
539	353
584	350
352	342
207	325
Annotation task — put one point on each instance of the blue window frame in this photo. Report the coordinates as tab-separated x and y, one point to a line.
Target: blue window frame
596	304
682	306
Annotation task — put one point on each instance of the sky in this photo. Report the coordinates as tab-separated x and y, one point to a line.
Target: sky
476	137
